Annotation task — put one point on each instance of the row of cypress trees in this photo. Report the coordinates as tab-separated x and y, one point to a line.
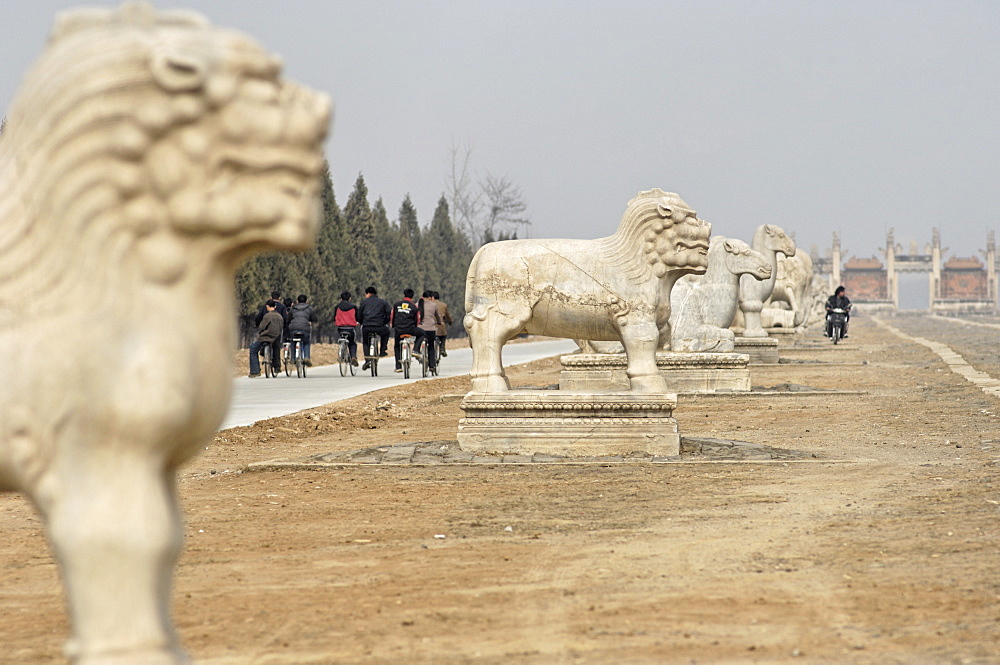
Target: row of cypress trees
358	246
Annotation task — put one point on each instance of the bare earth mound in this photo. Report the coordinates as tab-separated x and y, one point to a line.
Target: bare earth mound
805	526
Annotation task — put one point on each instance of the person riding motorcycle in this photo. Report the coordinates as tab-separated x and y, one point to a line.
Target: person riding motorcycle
838	300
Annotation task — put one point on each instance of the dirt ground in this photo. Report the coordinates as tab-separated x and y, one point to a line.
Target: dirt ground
883	548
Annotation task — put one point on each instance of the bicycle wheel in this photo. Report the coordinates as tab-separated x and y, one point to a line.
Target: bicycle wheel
425	361
286	358
437	353
406	362
373	354
300	369
266	360
353	364
344	357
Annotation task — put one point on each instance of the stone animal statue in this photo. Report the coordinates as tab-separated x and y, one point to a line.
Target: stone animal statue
769	240
613	288
145	156
703	306
793	286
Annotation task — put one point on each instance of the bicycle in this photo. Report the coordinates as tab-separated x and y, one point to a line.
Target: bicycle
406	354
266	355
425	360
296	356
344	355
437	353
287	360
373	340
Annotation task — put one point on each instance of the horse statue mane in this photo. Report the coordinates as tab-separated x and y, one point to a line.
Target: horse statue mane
145	156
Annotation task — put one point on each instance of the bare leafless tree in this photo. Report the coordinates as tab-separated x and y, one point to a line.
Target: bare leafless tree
463	194
486	208
505	207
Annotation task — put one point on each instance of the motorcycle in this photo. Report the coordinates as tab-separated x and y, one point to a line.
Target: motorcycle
838	319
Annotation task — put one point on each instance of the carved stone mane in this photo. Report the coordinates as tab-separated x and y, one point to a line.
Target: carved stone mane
108	144
145	155
643	226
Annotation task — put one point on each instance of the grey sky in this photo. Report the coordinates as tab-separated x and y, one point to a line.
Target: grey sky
816	116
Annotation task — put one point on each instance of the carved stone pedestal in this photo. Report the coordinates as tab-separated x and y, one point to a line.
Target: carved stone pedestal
762	350
784	336
683	372
569	424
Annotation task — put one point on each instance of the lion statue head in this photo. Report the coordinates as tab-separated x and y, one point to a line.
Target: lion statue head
659	234
146	137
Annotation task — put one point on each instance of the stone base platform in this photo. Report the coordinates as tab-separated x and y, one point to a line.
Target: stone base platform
683	372
784	336
526	422
762	350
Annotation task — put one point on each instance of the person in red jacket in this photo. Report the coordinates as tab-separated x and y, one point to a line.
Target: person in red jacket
346	320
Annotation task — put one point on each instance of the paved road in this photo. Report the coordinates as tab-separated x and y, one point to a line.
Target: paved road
261	398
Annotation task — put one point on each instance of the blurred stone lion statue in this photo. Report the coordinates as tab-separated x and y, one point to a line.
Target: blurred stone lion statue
613	288
145	156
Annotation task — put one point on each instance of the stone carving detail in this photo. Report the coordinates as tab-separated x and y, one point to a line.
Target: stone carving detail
703	306
557	422
769	240
613	288
146	155
793	287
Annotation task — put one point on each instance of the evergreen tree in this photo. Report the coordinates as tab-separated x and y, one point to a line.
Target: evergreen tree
453	254
398	259
323	266
409	230
361	258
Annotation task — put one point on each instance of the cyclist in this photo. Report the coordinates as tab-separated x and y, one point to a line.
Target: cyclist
268	331
446	320
301	315
280	308
403	320
374	315
429	319
346	320
838	300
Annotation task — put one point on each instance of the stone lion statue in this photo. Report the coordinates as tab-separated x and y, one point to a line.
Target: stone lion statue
613	288
145	156
769	240
703	306
793	286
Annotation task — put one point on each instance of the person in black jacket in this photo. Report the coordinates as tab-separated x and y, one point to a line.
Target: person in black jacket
404	319
838	300
301	316
279	308
373	315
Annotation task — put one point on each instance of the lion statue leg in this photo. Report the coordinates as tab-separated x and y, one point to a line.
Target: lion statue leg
641	341
489	329
116	530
